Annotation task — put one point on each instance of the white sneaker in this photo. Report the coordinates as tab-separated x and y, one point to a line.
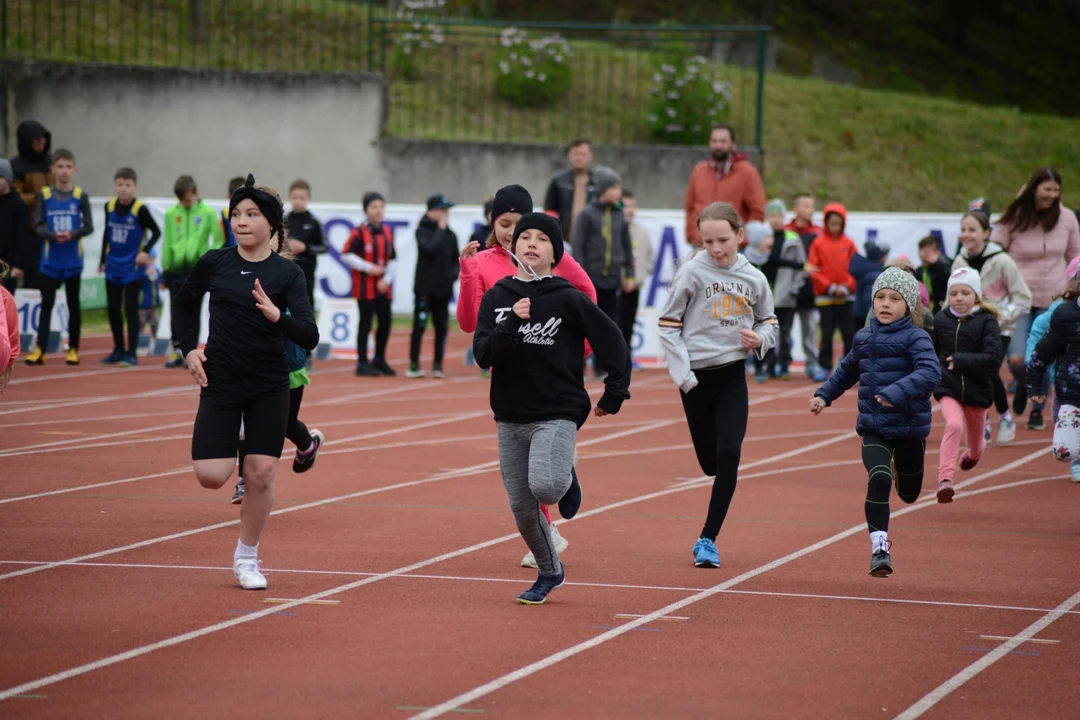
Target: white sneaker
1006	431
561	543
248	572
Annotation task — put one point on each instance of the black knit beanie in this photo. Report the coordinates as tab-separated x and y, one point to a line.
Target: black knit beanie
546	224
512	198
268	205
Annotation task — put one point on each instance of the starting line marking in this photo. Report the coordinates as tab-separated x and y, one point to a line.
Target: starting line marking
278	601
1030	640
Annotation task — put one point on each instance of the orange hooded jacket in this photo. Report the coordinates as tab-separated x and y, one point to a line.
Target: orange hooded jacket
832	256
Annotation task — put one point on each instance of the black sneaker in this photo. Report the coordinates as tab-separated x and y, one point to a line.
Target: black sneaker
238	496
881	563
174	361
380	365
113	358
537	594
1020	400
365	370
303	463
571	501
1035	420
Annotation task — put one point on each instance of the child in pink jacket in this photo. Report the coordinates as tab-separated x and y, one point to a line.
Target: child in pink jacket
9	334
481	270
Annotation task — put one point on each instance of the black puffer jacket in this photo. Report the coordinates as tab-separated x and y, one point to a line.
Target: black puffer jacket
974	344
1060	346
437	266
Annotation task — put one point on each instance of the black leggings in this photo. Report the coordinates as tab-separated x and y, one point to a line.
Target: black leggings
608	301
217	425
295	430
716	413
49	286
878	456
833	318
127	298
628	307
380	308
174	282
439	311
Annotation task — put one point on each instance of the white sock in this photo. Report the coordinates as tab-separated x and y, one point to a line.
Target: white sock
879	540
245	551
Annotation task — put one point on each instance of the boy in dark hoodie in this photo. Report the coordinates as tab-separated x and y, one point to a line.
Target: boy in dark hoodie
32	168
305	233
602	244
531	332
437	270
16	237
934	271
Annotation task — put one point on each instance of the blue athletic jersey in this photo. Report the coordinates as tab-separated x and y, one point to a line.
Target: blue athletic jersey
124	242
226	228
62	260
148	290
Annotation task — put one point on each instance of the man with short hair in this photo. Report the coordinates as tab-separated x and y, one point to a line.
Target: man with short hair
571	190
727	176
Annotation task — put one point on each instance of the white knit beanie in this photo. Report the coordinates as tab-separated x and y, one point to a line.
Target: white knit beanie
966	276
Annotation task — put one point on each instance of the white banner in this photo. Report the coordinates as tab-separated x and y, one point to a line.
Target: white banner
901	231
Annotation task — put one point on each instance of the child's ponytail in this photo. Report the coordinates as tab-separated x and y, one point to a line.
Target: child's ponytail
989	307
917	314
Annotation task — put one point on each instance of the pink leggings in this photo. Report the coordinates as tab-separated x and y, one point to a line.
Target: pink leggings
957	417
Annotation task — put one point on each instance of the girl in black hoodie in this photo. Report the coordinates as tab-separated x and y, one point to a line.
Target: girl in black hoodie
531	332
967	339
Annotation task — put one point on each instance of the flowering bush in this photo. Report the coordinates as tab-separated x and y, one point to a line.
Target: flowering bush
686	100
410	47
532	73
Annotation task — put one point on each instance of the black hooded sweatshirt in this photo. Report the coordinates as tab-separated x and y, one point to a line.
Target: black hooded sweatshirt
536	363
18	243
33	171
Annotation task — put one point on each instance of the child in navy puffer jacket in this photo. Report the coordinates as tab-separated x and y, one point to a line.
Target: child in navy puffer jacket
893	361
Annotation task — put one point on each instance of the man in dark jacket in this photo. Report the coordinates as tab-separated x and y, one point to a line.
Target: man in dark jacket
16	239
32	169
436	272
574	188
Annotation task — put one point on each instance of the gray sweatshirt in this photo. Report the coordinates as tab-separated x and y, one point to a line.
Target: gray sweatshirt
706	307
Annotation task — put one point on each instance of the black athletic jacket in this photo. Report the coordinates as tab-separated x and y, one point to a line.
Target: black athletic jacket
536	364
1060	345
974	344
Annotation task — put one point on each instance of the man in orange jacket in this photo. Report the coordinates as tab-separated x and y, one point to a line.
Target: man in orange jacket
727	176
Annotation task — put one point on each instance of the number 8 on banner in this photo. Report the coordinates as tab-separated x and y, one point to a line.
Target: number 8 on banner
338	321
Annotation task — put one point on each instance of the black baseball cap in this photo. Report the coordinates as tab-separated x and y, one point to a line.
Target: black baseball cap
439	202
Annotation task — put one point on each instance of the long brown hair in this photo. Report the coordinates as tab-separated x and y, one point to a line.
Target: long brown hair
1021	214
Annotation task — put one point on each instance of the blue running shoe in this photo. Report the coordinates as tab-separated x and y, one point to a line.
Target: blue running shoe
820	375
113	358
706	554
129	360
537	594
1075	468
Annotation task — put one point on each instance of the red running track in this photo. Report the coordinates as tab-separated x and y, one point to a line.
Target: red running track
393	567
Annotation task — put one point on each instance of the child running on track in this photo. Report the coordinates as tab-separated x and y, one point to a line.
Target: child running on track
531	331
719	310
10	344
894	363
968	344
481	271
1003	287
1060	347
243	372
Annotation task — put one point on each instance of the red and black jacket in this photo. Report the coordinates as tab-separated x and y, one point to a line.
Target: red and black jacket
374	246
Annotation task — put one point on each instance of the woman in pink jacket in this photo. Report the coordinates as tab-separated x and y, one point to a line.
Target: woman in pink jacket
1041	237
481	270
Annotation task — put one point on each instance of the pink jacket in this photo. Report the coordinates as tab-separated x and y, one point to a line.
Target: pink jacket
480	273
1041	256
9	330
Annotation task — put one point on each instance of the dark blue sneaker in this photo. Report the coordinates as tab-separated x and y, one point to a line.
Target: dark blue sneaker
537	594
129	360
113	358
571	501
705	554
820	375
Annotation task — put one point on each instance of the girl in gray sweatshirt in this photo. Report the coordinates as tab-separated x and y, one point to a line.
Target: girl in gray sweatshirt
719	309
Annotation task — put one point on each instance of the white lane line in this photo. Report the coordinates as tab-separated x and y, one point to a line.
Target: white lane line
544	663
1037	641
29	449
956	681
74	402
456	702
93	486
76	374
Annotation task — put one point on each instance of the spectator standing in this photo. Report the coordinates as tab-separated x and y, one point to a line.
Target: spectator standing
727	176
571	190
32	169
437	270
16	237
644	262
805	309
305	234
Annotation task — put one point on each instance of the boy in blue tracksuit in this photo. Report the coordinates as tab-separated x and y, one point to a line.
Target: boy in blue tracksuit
895	365
62	218
124	253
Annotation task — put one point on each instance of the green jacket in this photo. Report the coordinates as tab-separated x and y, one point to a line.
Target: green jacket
188	234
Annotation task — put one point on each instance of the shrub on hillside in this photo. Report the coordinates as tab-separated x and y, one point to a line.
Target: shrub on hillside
686	100
532	73
413	42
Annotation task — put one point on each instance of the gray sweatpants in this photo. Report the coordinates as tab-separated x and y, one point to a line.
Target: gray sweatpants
535	459
808	322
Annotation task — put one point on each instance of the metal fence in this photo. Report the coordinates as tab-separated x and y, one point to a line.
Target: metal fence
450	78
